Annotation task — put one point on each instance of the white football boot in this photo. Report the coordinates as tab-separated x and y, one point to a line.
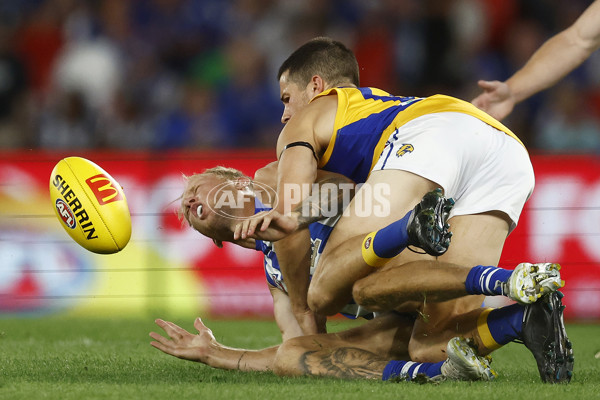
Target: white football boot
529	282
463	363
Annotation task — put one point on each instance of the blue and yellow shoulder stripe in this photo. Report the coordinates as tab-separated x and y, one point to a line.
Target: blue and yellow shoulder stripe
366	117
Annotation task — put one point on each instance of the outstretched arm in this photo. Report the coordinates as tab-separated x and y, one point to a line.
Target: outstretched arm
551	62
204	348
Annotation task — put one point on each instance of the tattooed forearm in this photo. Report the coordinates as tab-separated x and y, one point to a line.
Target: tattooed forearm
328	199
344	362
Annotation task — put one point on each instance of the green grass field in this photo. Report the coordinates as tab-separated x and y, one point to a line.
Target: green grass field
74	358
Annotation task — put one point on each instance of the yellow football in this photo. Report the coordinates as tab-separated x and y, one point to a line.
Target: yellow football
90	205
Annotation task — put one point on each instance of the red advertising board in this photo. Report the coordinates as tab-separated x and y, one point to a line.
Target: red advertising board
167	262
561	223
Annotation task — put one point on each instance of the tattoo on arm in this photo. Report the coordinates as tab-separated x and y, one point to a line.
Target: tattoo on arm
343	362
328	199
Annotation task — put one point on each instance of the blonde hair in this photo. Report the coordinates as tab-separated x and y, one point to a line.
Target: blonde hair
227	173
224	173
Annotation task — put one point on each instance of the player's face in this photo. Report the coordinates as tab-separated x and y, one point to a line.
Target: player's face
293	97
199	212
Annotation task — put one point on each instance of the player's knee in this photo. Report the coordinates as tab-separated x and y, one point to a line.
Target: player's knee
359	292
287	359
321	302
363	295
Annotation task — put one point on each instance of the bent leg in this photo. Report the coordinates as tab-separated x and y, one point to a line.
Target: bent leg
482	238
376	205
422	281
539	326
477	240
439	285
440	322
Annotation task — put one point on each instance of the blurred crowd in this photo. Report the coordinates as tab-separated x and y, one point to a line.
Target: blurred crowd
192	74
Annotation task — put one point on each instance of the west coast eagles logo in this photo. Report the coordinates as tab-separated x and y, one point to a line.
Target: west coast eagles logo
405	149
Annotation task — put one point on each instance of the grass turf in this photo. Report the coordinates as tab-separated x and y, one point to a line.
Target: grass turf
74	358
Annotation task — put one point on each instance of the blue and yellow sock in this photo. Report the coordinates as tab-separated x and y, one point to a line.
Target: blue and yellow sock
408	370
499	326
380	246
484	280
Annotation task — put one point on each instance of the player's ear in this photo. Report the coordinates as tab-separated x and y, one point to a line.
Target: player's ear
317	84
218	243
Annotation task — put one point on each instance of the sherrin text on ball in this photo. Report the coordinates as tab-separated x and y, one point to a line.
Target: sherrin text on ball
90	205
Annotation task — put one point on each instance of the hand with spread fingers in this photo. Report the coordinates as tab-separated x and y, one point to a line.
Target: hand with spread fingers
554	60
204	348
183	344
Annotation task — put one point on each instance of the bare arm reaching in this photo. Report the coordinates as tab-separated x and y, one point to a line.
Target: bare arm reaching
551	62
204	348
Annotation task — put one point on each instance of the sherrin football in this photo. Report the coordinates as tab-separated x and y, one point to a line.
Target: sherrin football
90	205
